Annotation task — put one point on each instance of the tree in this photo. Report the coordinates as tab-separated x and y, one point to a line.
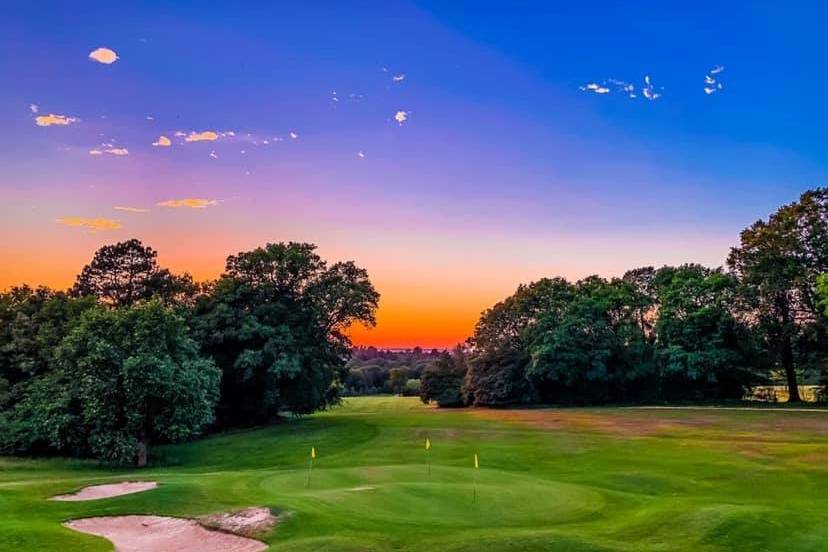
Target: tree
442	381
275	324
702	350
397	378
137	379
497	372
778	262
593	350
127	272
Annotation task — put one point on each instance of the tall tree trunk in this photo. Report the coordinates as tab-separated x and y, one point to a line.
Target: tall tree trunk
790	373
143	450
786	349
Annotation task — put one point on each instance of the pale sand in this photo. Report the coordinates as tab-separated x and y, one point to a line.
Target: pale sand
249	522
163	534
97	492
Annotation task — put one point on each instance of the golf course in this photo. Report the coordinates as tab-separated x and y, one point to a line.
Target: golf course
575	479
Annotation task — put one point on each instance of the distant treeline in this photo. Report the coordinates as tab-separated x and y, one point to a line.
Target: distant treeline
373	371
133	355
684	333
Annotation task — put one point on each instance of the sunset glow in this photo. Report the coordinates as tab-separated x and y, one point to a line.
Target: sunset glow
447	157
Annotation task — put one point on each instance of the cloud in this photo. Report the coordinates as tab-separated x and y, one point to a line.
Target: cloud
649	89
398	78
401	116
361	155
595	88
34	108
111	150
103	55
293	135
214	156
205	136
130	209
52	119
91	224
712	82
180	133
190	203
162	142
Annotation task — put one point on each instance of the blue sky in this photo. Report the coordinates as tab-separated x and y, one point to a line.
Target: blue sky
504	170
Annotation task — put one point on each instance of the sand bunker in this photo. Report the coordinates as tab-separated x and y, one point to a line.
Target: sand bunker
249	522
97	492
163	534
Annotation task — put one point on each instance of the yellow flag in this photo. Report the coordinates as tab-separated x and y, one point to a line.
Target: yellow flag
428	444
313	453
476	461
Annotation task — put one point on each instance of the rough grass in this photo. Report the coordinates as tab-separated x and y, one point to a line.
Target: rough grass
566	480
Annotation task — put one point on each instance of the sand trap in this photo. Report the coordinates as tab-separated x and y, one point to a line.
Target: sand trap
163	534
249	522
97	492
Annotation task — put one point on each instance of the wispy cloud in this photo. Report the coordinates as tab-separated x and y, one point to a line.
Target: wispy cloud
293	135
34	108
361	155
595	88
91	224
103	55
214	155
109	149
398	78
712	82
52	119
189	203
649	89
205	136
130	209
401	116
162	142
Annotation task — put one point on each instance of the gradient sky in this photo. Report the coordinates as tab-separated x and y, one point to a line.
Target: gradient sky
505	169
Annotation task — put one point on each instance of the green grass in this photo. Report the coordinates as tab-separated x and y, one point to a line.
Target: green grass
562	480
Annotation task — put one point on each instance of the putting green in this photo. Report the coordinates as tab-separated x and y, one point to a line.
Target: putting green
550	479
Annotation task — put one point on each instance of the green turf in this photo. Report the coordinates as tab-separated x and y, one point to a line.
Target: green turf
561	480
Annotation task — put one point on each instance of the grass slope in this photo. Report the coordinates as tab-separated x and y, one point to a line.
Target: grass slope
564	480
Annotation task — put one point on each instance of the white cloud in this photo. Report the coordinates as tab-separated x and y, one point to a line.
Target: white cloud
205	136
162	142
103	55
293	135
213	155
130	209
150	118
109	149
361	155
34	108
398	78
180	133
401	116
52	119
712	82
649	89
188	203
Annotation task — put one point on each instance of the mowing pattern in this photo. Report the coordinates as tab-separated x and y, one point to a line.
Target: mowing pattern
563	480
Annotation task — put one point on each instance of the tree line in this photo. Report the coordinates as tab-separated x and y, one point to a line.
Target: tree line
667	334
134	355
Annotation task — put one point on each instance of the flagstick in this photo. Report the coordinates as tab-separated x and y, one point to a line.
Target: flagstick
428	462
310	468
474	500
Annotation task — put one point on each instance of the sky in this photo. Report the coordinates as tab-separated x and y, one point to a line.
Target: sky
453	149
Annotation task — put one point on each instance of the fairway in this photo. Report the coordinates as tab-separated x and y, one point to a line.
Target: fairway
549	479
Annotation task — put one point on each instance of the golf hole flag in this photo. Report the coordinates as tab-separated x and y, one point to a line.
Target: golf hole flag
313	453
428	444
476	462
